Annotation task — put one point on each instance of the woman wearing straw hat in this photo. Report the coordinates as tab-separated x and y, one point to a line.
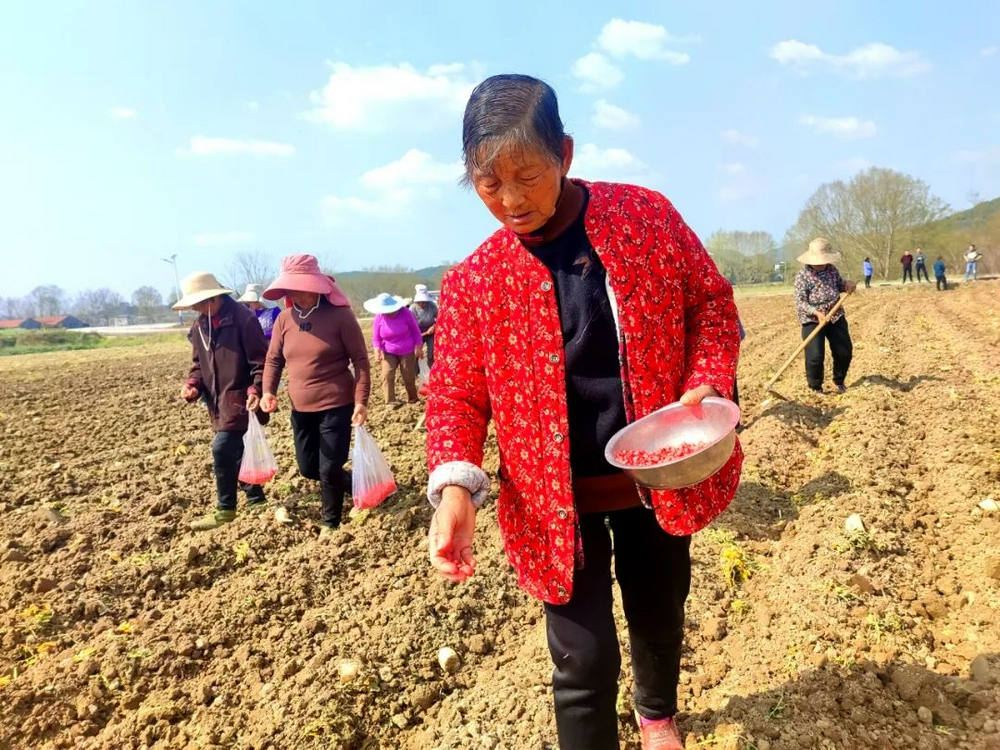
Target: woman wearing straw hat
818	286
397	342
318	339
426	311
227	368
265	315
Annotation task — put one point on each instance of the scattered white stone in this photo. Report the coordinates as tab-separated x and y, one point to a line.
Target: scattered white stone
989	505
448	659
925	716
281	515
854	524
348	671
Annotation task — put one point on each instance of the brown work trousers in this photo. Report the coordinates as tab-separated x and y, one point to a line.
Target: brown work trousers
407	365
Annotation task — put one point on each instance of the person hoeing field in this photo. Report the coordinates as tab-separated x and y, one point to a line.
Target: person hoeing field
817	289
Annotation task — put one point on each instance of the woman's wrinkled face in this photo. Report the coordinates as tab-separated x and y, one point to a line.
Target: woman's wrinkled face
522	188
208	307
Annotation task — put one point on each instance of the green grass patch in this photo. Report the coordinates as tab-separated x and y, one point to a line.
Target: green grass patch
59	340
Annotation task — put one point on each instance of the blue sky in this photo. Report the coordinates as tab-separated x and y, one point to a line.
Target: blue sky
134	130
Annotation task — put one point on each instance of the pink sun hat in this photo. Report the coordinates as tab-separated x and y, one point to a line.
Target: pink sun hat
301	273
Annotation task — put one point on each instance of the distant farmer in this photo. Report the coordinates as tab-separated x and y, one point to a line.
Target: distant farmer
868	270
397	342
427	312
319	340
907	261
972	257
816	290
227	368
532	325
939	268
266	314
921	263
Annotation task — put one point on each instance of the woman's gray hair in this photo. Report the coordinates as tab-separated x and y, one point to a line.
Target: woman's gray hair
510	112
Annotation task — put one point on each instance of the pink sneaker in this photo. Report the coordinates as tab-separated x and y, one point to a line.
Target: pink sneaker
659	734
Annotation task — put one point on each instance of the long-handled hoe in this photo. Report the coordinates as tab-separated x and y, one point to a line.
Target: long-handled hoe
770	383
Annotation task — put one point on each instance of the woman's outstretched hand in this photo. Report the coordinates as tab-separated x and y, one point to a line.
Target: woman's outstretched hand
450	536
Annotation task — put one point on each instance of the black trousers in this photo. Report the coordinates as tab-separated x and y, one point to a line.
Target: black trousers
653	570
922	269
322	444
841	348
227	454
942	283
868	282
907	273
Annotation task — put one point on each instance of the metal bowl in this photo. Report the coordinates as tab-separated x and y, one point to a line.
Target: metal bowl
712	423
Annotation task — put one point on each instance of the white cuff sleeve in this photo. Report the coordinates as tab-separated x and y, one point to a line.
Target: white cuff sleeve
461	474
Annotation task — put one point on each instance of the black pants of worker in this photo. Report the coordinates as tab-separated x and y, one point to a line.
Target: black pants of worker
654	574
429	349
942	283
322	444
922	269
868	282
227	455
841	348
907	273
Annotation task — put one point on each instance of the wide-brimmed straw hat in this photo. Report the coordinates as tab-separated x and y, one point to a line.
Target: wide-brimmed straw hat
820	253
198	287
384	304
301	273
421	294
253	293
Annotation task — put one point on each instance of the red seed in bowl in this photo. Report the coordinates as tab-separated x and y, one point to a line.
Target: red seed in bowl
639	458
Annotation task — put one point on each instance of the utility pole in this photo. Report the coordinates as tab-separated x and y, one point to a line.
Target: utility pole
172	260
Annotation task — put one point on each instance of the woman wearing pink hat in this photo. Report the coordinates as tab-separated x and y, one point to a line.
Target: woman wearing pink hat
318	338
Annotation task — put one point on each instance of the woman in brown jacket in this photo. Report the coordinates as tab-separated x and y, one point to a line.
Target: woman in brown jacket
319	340
227	367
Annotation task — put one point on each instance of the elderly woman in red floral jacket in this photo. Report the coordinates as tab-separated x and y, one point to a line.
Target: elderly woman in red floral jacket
593	305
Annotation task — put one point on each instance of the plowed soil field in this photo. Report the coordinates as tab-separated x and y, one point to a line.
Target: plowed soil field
119	628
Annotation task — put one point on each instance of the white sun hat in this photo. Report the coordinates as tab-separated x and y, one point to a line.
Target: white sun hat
384	304
198	287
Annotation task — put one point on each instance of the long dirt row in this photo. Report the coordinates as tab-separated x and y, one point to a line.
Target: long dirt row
119	628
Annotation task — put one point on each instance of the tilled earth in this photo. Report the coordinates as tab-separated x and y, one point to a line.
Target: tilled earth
119	628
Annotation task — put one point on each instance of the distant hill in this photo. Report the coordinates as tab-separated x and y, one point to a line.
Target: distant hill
976	218
362	285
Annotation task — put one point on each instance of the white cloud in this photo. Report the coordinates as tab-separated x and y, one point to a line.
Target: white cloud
841	127
875	60
123	113
989	51
222	239
201	145
647	41
415	168
594	163
252	106
737	138
739	185
983	156
391	96
610	117
396	188
596	73
734	168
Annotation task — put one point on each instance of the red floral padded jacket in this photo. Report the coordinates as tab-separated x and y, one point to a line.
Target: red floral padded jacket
499	353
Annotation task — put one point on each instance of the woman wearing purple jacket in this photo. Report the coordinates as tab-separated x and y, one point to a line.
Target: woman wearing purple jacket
398	343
